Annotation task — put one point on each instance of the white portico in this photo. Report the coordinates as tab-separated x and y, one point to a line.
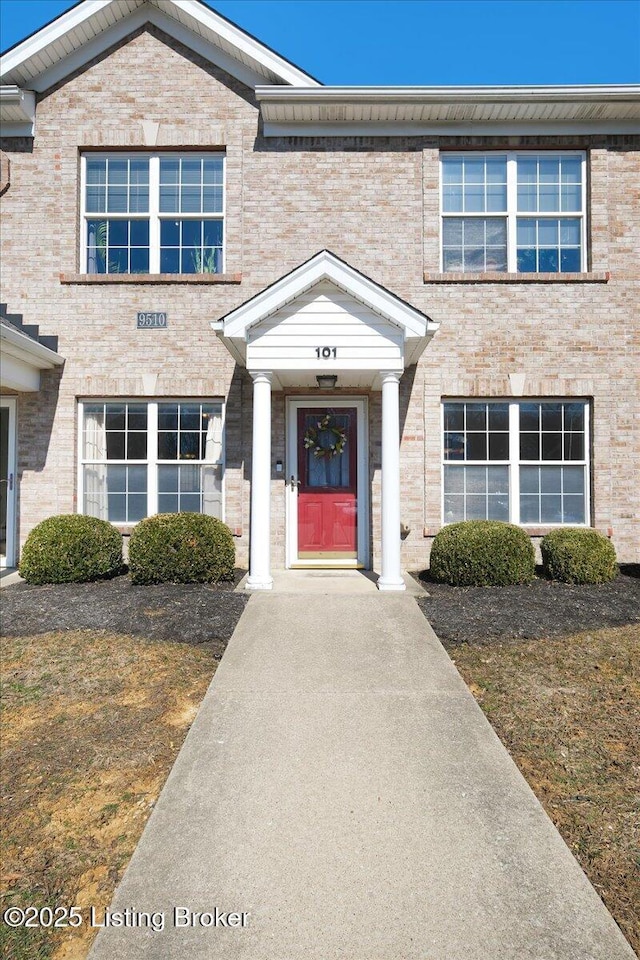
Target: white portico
326	324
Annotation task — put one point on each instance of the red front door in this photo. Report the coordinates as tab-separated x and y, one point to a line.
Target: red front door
327	494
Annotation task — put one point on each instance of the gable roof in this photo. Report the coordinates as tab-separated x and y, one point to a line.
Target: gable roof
291	102
92	26
416	327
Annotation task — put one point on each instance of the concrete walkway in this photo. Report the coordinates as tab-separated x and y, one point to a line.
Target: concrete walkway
341	786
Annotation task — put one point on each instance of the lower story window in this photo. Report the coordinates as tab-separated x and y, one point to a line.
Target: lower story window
141	458
523	462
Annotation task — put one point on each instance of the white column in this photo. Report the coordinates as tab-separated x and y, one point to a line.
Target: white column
391	575
260	533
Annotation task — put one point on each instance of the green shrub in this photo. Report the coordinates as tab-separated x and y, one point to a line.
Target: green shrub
181	548
71	549
576	555
482	553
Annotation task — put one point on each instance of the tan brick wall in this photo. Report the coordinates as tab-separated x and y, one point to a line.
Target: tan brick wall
373	202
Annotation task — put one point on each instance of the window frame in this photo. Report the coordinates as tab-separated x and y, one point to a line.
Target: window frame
152	463
514	463
511	215
154	216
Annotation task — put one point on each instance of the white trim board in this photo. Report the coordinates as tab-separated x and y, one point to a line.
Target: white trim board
91	27
326	266
8	559
293	404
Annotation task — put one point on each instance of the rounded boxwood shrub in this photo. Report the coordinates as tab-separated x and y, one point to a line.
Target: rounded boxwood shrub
181	548
576	555
482	553
71	548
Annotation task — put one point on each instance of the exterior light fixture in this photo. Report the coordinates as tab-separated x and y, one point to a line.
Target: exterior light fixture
326	381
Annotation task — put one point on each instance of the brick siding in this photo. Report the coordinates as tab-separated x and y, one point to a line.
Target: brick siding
372	201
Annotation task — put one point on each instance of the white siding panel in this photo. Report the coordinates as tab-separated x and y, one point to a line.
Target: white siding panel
325	317
322	337
344	355
303	326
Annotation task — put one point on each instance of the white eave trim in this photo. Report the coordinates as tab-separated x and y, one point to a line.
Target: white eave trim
394	111
325	266
73	39
22	347
17	111
458	94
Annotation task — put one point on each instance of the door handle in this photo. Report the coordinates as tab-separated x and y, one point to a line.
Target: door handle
8	481
294	483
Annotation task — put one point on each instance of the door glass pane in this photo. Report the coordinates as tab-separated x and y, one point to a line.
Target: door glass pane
326	443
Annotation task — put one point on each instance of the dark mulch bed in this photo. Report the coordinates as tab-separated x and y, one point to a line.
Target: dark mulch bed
542	609
184	612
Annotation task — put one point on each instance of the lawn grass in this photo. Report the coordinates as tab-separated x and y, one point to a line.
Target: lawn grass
568	711
92	723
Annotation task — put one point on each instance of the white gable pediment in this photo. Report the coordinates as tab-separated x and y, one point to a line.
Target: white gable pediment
325	317
91	27
325	327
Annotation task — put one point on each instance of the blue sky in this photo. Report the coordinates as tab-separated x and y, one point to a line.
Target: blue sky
423	42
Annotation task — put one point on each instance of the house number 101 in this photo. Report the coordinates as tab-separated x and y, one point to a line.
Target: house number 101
325	353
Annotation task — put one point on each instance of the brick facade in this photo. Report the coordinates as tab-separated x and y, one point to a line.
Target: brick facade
374	202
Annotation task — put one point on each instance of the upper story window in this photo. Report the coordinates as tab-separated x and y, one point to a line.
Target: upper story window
513	212
153	213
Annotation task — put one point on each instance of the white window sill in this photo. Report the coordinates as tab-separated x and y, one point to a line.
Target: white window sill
597	276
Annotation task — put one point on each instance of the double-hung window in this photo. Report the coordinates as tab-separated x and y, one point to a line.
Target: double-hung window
152	213
525	462
141	458
513	212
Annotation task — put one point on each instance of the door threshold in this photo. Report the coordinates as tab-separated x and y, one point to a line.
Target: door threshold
324	566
